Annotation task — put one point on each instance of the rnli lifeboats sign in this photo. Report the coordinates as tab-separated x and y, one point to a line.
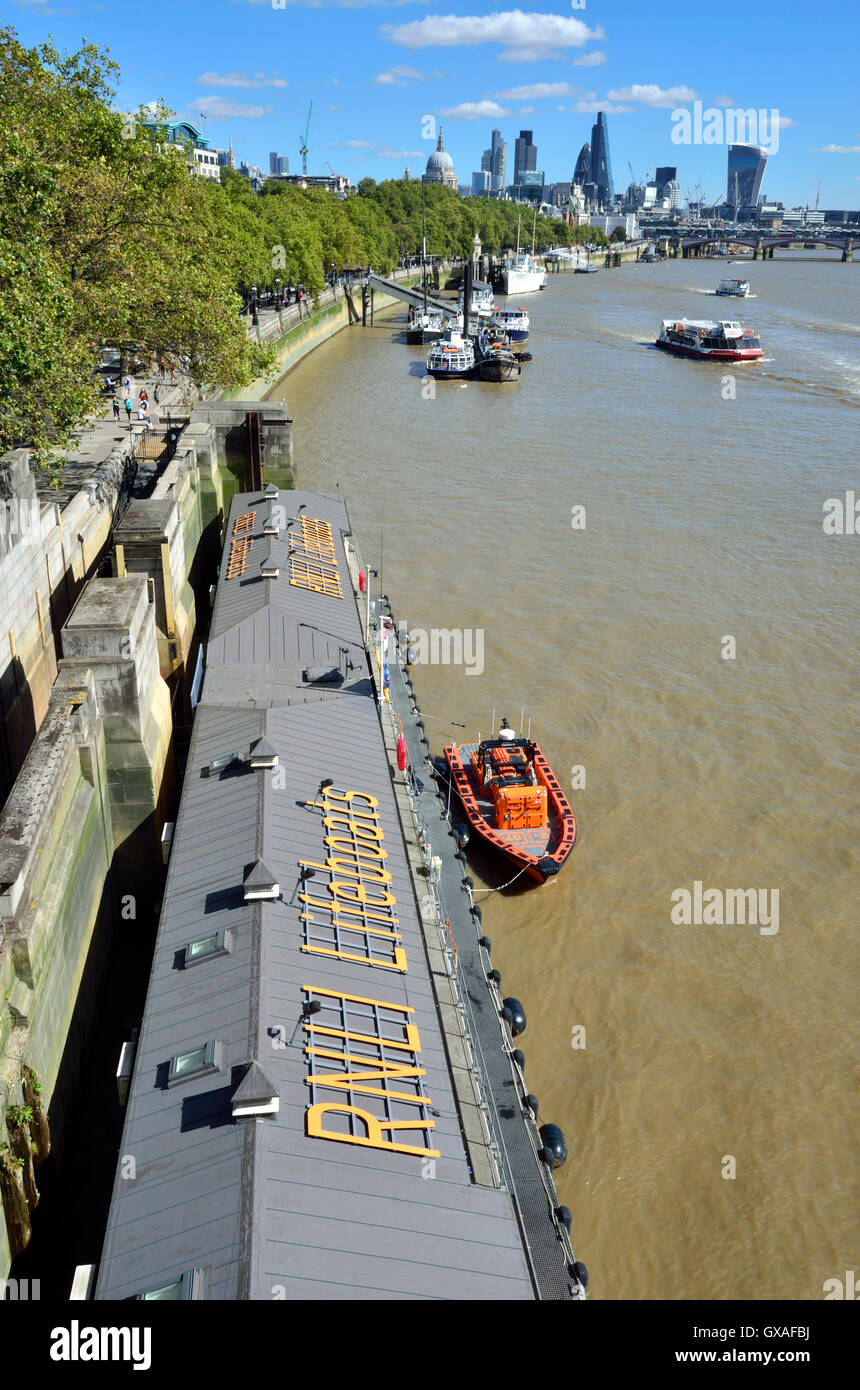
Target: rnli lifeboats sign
313	560
364	1070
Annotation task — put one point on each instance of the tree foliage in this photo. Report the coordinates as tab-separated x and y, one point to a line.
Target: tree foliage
106	238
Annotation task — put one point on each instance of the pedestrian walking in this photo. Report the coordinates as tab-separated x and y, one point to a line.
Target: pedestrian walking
127	385
116	407
128	405
157	395
143	395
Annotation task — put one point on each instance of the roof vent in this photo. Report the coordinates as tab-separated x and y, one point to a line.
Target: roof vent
255	1094
261	884
323	675
263	754
271	526
271	491
270	569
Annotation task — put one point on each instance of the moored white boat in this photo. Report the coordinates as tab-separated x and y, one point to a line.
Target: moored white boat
514	322
522	274
451	355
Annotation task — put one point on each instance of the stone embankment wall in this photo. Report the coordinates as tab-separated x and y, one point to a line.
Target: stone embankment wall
104	668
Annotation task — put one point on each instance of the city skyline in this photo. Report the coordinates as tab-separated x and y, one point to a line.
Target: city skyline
232	68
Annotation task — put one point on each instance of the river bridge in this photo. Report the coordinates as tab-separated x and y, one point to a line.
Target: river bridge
693	244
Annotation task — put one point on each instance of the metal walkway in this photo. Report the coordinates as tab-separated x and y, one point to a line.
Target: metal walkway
513	1128
409	295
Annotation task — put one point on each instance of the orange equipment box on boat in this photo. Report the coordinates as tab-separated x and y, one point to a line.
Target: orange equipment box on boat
520	808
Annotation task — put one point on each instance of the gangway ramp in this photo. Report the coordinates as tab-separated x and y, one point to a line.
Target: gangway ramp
409	294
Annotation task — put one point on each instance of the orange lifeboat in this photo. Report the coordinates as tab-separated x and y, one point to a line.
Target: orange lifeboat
513	800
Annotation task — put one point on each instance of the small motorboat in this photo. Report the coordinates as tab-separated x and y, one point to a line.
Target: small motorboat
513	800
738	289
451	356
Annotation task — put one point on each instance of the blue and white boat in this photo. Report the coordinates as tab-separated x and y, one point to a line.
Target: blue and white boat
452	355
514	322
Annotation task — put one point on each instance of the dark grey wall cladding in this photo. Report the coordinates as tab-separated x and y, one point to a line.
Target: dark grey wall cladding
265	1210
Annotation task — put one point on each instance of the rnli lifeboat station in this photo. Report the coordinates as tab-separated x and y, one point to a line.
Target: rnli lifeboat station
310	1114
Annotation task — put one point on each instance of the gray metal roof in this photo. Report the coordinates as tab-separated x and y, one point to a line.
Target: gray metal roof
264	1209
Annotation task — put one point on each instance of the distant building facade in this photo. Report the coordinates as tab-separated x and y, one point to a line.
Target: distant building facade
201	157
746	167
525	156
278	163
494	161
601	167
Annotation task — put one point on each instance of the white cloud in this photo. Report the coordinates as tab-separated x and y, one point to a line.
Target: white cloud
536	90
649	94
531	55
561	108
379	151
525	111
475	110
837	149
723	101
217	109
535	33
590	108
241	79
399	77
337	108
784	123
590	60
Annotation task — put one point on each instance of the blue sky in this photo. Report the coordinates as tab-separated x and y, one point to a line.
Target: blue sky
374	71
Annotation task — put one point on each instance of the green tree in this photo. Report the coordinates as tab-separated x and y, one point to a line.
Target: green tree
107	237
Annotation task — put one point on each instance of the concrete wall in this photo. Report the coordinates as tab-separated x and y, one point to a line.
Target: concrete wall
56	845
112	632
80	838
45	557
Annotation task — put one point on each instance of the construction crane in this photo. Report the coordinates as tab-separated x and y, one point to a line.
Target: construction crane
303	140
817	196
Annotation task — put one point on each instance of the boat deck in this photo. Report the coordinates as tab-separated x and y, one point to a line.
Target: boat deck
528	841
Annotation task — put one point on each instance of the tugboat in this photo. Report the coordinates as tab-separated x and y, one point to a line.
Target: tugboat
738	289
451	356
725	341
514	322
513	800
496	361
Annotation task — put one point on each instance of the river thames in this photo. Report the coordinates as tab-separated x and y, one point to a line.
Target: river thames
703	1074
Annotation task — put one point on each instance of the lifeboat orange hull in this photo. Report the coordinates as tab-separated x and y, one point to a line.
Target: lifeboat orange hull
539	853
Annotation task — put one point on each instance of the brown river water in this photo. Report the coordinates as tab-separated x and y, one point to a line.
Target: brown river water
707	1048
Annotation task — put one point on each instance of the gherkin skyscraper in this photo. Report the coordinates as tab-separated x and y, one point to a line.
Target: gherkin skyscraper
582	172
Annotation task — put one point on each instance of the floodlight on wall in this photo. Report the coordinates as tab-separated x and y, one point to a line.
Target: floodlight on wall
309	1008
305	872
